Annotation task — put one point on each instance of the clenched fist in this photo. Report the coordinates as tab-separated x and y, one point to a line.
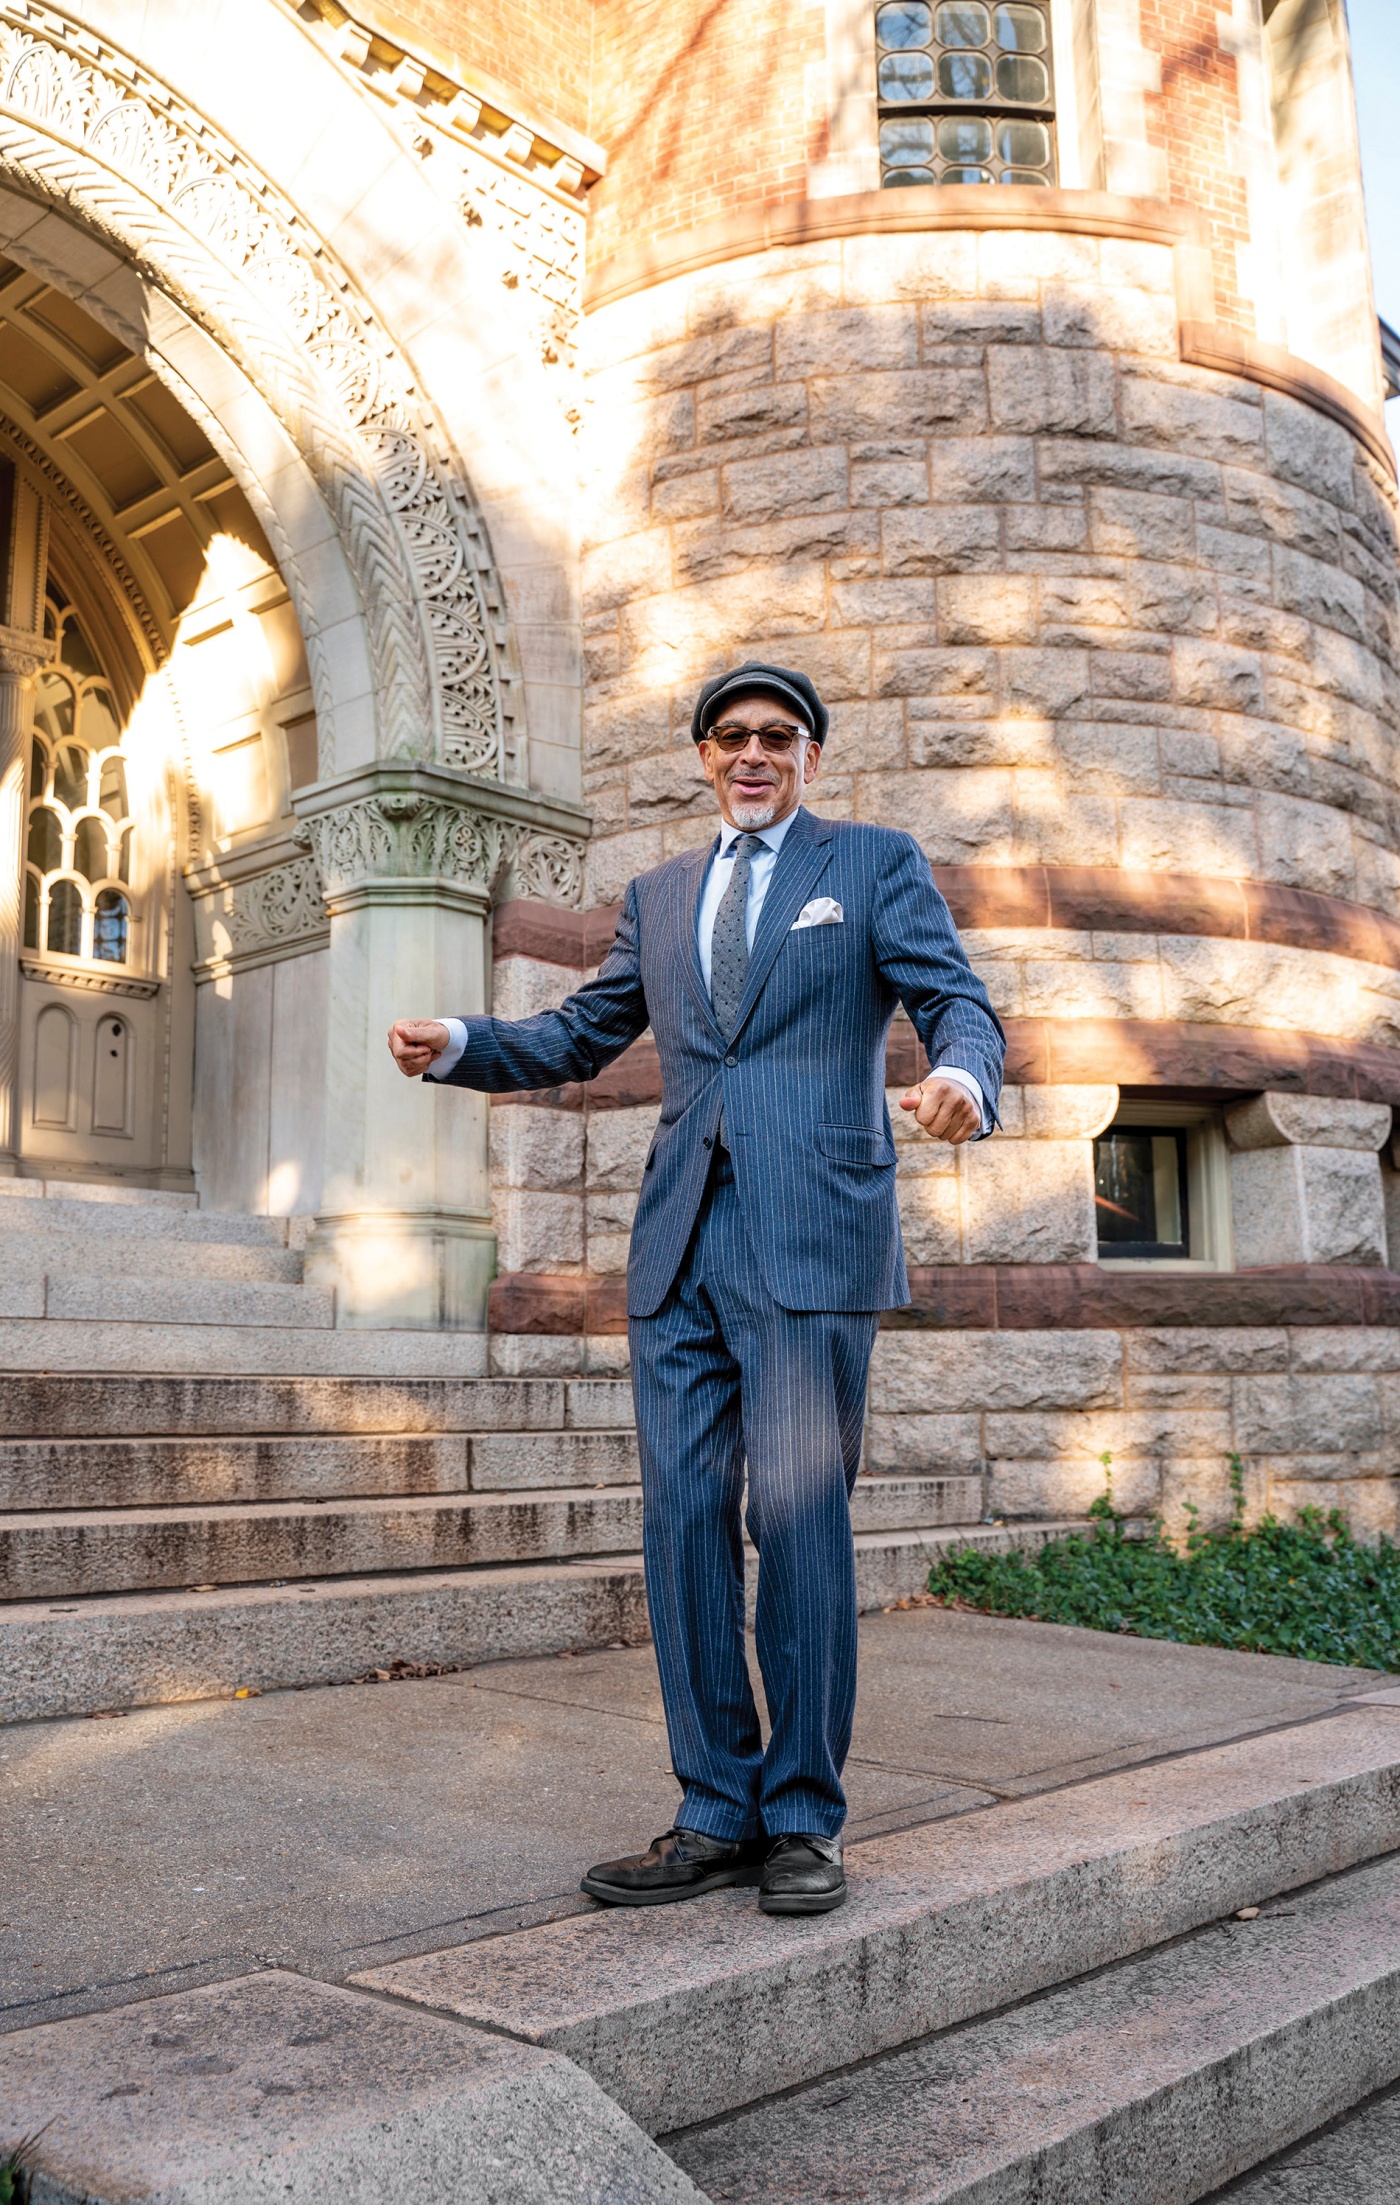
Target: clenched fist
414	1042
945	1110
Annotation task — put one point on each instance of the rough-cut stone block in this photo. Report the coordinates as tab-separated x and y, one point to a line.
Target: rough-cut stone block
273	2086
889	482
1307	1414
923	265
1129	1435
1273	1120
954	1371
792	482
1028	1202
1045	393
1050	1488
538	1232
1307	1205
1213	674
520	986
537	1149
940	539
1045	684
615	572
1306	448
618	1142
930	1219
1197	421
872	408
845	341
1121	319
958	817
1371	1506
1224	1349
995	470
947	1443
977	608
1067	1113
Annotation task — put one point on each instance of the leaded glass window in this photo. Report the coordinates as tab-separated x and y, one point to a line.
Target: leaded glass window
78	842
966	94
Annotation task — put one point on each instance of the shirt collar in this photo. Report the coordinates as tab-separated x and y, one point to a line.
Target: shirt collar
771	836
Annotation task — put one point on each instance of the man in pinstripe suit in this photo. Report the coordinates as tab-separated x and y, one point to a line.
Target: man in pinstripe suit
766	1243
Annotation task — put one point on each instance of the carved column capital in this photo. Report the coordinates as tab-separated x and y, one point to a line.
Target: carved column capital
22	654
420	834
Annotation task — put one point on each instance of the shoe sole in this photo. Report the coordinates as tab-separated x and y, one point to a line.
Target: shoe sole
801	1902
612	1895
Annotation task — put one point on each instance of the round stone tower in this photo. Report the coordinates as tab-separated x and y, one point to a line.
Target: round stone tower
1011	366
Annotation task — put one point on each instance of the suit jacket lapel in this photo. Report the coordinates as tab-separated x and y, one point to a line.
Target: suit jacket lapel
691	887
804	857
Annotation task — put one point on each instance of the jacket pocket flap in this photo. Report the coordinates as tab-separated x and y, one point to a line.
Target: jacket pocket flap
854	1144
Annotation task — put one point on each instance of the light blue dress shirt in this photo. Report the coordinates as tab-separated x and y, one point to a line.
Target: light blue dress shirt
716	881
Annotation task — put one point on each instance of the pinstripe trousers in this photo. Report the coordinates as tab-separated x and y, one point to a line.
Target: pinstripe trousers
723	1373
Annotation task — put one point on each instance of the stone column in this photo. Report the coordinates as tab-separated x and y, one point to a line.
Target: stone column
410	860
21	656
23	565
1305	1180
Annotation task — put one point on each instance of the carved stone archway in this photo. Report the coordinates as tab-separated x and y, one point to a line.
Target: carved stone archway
83	127
121	193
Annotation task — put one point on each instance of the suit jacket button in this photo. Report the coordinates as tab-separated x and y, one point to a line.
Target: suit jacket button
730	1062
708	1142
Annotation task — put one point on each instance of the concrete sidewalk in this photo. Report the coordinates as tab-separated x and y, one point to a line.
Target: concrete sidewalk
331	1830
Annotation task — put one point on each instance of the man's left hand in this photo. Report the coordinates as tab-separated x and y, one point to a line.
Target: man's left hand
945	1110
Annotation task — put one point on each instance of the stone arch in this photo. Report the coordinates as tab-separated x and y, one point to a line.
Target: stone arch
122	194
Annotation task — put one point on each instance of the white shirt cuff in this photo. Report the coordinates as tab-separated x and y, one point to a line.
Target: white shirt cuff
456	1042
963	1079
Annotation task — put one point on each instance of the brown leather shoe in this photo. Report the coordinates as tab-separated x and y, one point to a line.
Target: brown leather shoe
681	1864
802	1875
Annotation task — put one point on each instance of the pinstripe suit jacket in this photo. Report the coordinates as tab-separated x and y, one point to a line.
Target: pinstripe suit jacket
801	1077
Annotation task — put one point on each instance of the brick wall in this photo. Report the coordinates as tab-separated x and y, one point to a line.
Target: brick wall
542	49
702	110
1194	123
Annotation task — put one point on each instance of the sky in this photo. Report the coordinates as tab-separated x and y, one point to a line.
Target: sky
1376	66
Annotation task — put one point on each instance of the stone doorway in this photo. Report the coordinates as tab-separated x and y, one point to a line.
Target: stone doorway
167	717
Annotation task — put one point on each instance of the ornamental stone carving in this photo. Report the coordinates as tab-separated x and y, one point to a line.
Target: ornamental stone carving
415	832
257	918
82	124
409	837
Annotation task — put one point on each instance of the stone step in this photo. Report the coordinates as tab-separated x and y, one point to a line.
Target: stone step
111	1650
76	1298
263	1348
1148	2085
82	1405
685	2014
141	1224
51	1554
38	1474
95	1191
62	1253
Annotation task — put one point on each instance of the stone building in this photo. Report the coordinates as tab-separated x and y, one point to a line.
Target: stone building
400	415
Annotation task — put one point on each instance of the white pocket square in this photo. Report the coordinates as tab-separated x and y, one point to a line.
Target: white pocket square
822	911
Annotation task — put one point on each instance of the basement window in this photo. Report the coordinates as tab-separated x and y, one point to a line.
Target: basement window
965	92
1161	1188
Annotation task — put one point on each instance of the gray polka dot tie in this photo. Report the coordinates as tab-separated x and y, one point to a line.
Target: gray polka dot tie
729	945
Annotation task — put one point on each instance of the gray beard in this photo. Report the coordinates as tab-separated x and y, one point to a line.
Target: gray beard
750	816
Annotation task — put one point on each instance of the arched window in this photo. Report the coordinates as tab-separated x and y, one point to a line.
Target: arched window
77	901
965	92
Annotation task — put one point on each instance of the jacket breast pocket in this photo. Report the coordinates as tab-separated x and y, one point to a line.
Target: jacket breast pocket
855	1144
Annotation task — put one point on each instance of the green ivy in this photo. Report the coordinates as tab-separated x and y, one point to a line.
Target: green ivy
1307	1589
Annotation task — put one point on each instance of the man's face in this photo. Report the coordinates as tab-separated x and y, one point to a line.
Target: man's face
757	787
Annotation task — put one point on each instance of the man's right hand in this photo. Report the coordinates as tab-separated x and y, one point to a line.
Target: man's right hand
414	1042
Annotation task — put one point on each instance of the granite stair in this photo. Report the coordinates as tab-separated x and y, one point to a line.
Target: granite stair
1125	1992
205	1486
